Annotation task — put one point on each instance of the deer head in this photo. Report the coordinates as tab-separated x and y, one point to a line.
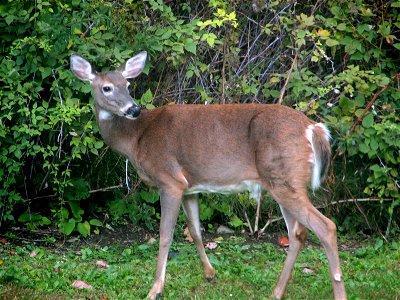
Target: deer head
110	90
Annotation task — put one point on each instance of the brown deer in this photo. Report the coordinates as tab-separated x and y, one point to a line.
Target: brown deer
184	150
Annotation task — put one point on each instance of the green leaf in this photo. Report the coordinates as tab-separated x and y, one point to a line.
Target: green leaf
346	104
190	46
84	228
76	2
143	247
98	144
342	27
150	106
108	36
332	42
189	74
76	209
150	197
235	221
24	217
368	121
96	222
178	48
147	97
46	72
166	35
364	148
67	227
378	244
396	4
374	144
45	221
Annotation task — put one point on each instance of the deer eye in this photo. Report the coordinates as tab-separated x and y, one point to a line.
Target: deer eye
107	89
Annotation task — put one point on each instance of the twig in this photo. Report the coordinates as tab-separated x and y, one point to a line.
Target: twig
223	69
269	222
60	135
126	175
283	90
249	61
106	189
248	223
355	200
258	212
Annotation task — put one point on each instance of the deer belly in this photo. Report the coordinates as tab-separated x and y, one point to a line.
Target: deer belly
253	187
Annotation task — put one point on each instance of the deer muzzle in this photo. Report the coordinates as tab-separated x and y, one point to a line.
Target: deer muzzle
132	112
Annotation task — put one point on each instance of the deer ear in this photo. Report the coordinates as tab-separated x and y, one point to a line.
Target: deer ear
134	66
81	68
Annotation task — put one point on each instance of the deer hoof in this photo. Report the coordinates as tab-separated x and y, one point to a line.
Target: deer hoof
211	278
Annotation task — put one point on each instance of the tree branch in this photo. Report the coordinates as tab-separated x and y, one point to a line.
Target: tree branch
283	90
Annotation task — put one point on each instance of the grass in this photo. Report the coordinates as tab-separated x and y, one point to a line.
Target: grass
245	271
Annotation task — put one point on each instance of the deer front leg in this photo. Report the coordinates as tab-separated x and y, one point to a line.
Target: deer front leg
191	209
170	204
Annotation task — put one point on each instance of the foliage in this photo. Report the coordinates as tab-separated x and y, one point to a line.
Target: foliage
45	128
139	207
335	60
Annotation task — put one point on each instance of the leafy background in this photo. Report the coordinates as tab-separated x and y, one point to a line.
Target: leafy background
337	61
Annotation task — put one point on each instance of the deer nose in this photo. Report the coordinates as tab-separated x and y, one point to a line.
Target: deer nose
133	111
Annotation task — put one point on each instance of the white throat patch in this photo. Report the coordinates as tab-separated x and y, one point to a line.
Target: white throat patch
104	115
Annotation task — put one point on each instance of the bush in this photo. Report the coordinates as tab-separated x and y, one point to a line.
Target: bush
337	62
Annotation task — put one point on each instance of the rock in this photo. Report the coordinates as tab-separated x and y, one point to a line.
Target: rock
224	230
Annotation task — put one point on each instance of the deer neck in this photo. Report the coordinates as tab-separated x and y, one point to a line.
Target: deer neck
118	132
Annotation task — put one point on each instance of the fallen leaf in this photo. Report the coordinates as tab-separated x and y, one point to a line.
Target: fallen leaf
3	241
211	245
283	241
102	264
73	240
307	271
33	253
109	227
1	261
103	298
79	284
188	236
151	241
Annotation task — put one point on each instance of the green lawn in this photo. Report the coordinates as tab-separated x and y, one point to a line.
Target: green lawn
245	271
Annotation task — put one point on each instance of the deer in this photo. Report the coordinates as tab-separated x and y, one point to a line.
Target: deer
187	149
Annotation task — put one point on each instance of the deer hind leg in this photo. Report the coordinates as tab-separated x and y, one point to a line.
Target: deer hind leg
300	208
170	204
191	209
297	236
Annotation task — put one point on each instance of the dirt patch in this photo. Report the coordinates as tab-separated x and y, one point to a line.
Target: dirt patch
122	236
126	235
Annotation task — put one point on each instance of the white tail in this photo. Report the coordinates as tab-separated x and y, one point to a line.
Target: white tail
184	150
